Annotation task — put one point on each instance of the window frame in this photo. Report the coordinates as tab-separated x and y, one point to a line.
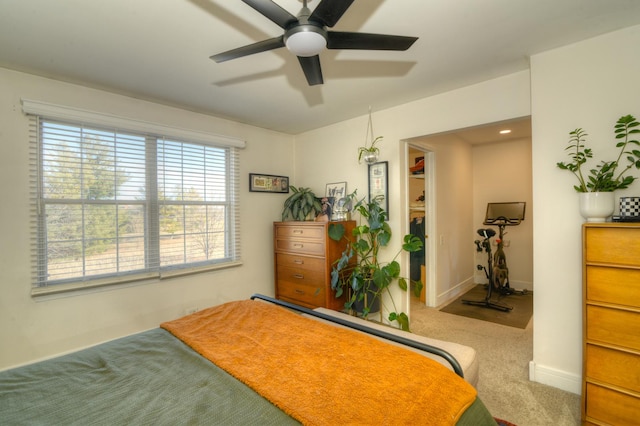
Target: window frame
161	134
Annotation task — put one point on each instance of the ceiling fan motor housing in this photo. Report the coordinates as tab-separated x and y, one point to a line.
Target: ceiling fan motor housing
306	39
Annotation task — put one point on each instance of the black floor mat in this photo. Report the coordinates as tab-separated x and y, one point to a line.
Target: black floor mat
518	317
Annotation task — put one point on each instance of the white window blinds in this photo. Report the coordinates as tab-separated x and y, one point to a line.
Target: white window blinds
113	205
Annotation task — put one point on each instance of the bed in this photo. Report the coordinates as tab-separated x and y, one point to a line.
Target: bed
244	362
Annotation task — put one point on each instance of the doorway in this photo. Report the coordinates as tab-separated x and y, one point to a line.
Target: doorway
464	170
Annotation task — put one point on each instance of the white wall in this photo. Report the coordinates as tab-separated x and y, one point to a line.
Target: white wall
453	224
30	329
589	85
502	173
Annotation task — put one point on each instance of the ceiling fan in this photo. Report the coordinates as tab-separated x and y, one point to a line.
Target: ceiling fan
306	35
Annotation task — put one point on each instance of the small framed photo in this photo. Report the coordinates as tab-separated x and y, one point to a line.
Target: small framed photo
268	183
327	209
379	184
336	190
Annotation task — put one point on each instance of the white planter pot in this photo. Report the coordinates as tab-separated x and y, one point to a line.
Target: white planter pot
596	206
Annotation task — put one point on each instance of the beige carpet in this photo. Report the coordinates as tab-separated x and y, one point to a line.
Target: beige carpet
518	316
504	354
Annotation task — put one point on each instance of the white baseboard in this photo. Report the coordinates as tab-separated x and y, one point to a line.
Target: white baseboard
521	285
556	378
452	293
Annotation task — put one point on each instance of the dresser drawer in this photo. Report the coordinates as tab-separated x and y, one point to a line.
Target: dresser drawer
301	276
312	231
303	263
301	246
615	245
613	285
617	368
617	327
311	296
611	407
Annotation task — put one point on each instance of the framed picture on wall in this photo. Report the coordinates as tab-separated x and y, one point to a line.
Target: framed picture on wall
379	184
268	183
336	190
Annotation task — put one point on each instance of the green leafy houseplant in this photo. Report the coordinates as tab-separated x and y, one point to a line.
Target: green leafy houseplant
367	279
301	205
605	177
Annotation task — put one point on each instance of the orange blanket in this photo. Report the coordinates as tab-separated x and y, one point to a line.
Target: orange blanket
320	374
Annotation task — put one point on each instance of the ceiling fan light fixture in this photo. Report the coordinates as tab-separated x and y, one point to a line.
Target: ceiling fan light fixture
306	40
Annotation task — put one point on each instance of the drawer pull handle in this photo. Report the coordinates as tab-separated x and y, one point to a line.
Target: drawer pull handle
299	291
297	231
298	276
298	262
298	245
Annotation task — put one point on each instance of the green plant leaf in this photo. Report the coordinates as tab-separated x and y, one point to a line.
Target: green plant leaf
336	231
402	283
417	288
392	269
382	278
412	243
402	319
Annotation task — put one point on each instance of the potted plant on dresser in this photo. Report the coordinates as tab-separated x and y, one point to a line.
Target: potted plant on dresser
595	187
301	205
368	278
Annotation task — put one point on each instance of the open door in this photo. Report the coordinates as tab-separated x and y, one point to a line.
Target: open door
420	220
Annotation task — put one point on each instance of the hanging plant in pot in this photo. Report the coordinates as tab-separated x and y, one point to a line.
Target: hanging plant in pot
596	190
369	153
361	273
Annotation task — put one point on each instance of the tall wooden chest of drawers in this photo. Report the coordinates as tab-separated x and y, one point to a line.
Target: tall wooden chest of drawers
611	350
304	255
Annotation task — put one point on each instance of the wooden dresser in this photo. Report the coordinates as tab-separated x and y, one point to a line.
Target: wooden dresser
304	255
611	349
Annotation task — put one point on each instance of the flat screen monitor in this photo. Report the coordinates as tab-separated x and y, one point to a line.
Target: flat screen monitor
508	213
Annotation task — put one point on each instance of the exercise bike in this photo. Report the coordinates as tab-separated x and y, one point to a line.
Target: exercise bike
496	271
492	271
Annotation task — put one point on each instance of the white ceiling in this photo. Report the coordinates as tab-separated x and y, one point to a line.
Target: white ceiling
159	50
518	129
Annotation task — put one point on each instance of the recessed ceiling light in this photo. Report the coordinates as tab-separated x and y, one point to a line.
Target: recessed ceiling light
505	131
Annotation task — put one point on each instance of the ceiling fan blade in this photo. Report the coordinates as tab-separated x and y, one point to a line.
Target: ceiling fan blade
365	41
328	12
273	11
312	70
261	46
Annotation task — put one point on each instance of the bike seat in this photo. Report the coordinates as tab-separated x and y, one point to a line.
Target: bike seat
486	233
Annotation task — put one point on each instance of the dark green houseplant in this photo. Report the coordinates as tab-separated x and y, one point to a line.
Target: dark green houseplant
367	279
607	176
301	205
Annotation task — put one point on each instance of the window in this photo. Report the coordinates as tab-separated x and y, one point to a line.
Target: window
113	205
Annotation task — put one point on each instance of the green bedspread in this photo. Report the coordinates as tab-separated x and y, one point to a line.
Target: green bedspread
150	378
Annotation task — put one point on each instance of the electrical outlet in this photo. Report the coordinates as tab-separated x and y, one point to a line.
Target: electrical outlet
191	310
